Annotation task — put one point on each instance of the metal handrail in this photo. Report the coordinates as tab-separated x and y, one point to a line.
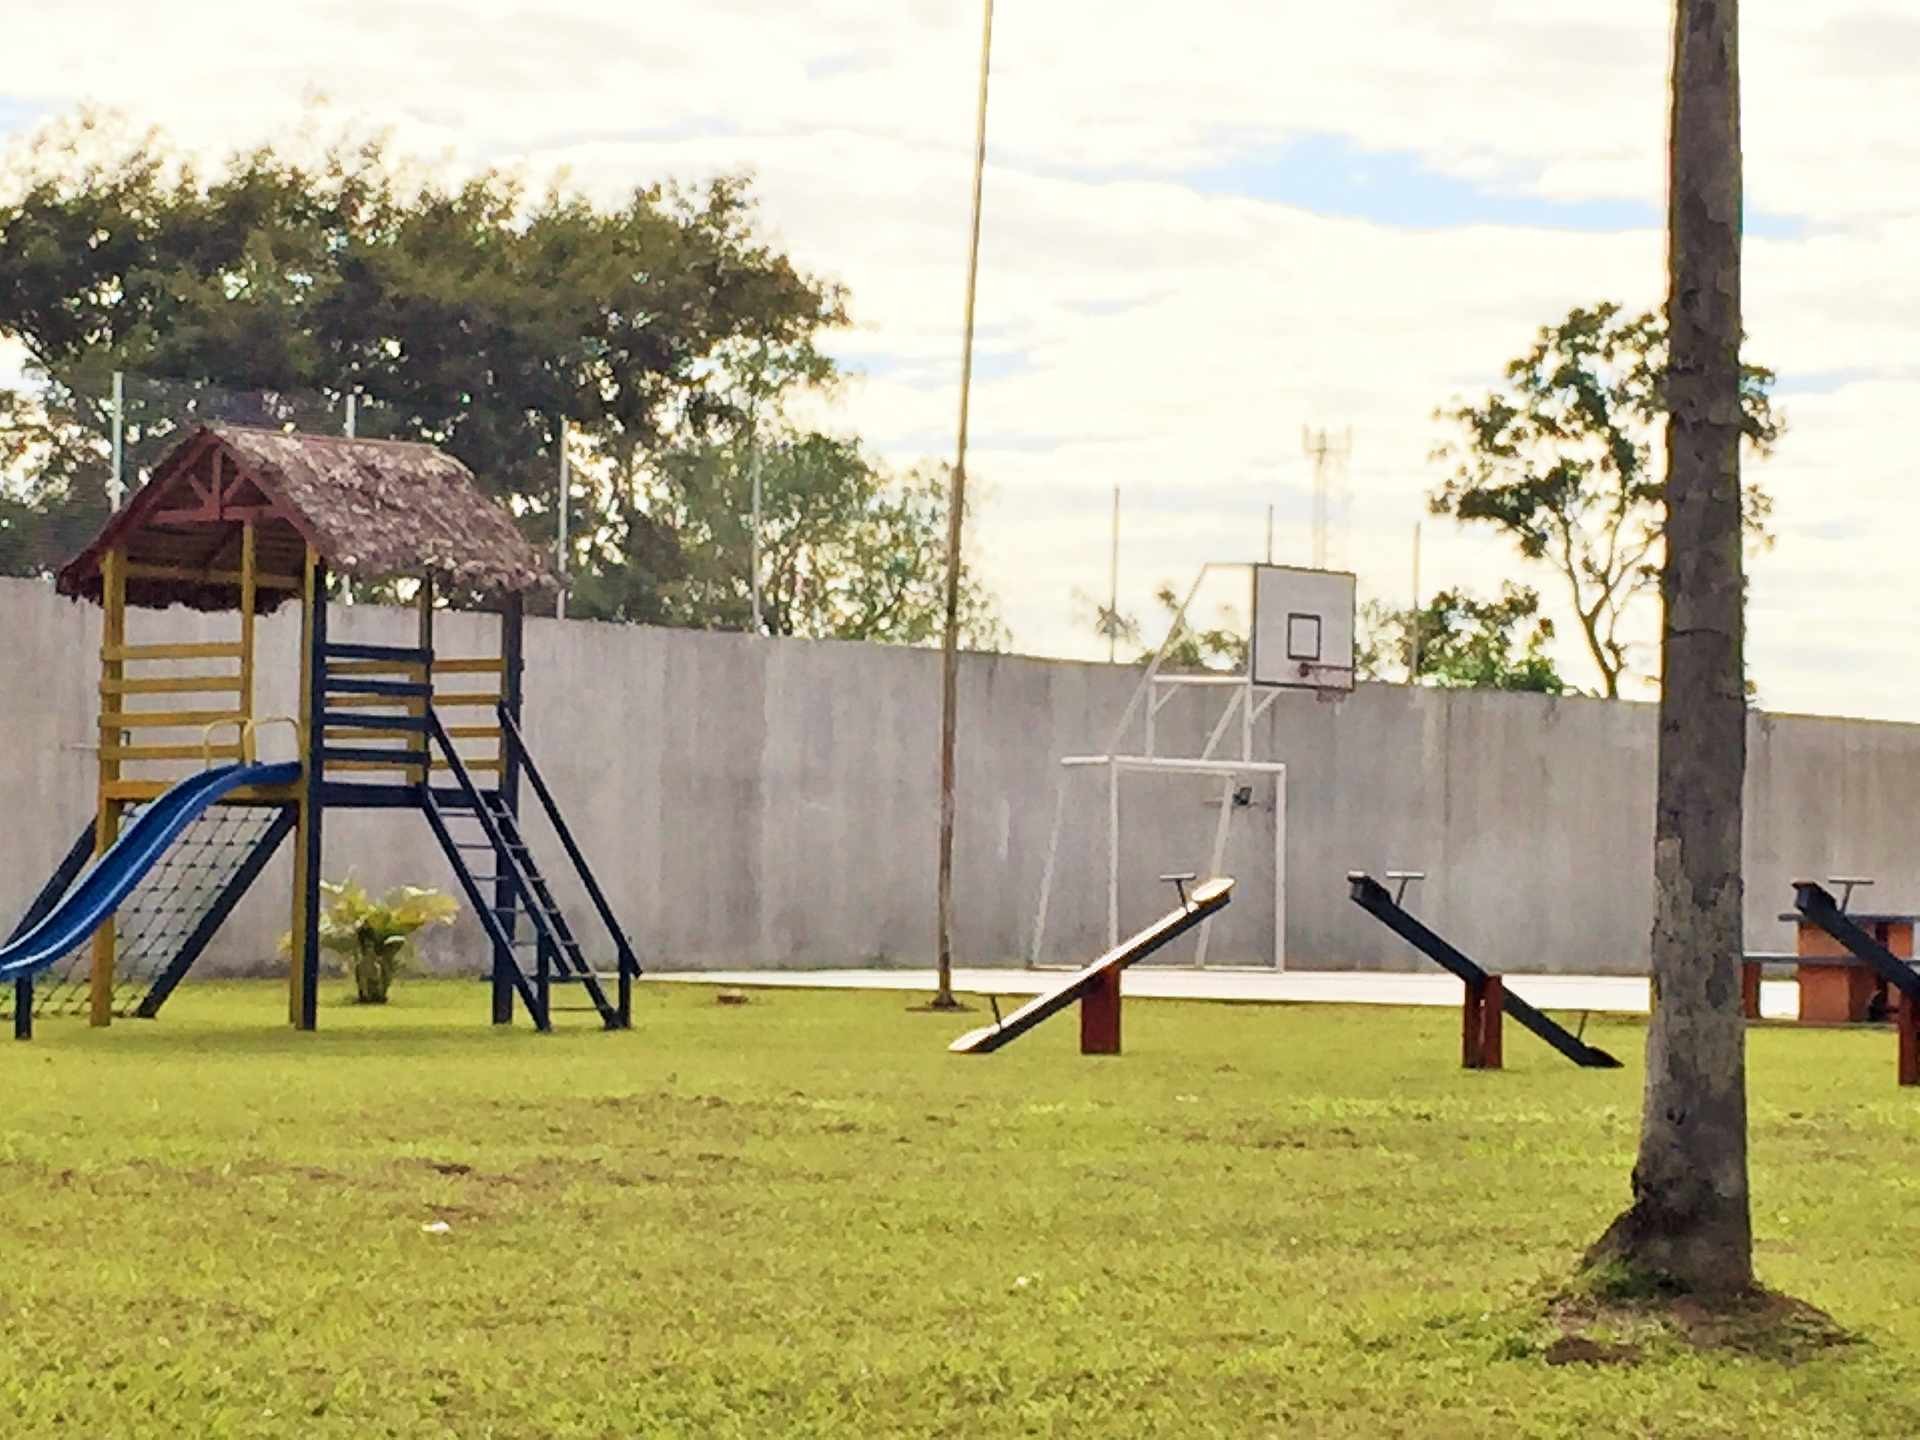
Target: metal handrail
239	724
510	732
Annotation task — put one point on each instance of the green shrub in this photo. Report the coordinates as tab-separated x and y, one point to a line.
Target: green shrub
374	938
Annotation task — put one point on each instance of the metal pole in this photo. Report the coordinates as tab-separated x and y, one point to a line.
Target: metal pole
753	543
1113	584
1280	870
956	510
116	483
1413	672
566	503
1269	534
351	430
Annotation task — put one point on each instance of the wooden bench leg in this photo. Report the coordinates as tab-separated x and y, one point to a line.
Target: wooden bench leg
1750	989
1100	1017
1480	1029
1906	1024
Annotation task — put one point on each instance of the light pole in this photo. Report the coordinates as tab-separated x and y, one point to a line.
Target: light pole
956	512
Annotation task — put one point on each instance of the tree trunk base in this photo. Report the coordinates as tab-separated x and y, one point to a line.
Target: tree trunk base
1597	1329
1651	1250
942	1005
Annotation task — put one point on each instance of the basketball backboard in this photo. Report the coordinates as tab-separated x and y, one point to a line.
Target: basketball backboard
1302	628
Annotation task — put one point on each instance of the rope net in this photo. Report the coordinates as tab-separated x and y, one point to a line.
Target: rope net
165	908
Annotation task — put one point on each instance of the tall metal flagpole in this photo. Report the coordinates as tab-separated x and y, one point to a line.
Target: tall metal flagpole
956	512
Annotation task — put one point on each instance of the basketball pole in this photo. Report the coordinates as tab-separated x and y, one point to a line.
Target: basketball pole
956	512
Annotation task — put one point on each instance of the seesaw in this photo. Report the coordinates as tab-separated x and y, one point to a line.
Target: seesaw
1487	997
1097	986
1817	907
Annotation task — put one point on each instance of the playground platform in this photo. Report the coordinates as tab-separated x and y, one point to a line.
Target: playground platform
1606	994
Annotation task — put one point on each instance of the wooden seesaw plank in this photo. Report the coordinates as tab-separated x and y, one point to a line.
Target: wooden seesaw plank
1205	901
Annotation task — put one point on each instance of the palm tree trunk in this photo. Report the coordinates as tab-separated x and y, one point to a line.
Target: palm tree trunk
1690	1221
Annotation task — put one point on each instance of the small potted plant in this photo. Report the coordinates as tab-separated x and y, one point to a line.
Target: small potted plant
374	937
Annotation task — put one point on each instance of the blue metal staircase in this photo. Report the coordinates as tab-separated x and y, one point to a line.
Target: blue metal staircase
484	841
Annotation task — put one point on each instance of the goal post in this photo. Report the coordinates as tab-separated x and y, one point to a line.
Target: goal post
1128	871
1300	637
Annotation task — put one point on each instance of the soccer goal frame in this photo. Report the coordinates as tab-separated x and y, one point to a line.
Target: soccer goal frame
1244	697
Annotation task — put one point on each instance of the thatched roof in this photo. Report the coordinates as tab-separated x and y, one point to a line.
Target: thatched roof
371	509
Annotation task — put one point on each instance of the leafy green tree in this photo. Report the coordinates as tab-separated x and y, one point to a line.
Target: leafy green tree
847	550
475	316
1562	459
1464	642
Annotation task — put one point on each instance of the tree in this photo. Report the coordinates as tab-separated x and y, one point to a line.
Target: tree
847	550
1690	1224
472	316
1464	642
1562	459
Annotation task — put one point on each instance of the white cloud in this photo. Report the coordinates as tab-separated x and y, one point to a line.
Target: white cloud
1170	341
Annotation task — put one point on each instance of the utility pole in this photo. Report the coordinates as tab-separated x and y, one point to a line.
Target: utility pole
1113	584
117	481
956	511
1413	668
1269	534
352	431
1329	456
566	504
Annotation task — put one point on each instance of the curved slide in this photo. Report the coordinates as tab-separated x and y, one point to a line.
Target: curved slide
111	878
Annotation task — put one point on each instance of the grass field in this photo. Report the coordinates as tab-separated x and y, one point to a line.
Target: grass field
802	1217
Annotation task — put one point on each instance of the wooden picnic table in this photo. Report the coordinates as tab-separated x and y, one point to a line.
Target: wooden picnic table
1836	988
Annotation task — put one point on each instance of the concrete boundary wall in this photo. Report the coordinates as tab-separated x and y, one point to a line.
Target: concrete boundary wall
757	803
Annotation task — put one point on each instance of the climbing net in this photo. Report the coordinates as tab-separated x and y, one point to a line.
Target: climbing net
157	919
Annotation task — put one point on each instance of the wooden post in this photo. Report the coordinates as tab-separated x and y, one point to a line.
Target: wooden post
304	979
249	590
1493	1014
1750	989
1481	1016
113	639
1906	1024
1100	1017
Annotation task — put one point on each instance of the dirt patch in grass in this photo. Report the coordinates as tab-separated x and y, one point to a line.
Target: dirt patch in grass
1762	1324
1583	1350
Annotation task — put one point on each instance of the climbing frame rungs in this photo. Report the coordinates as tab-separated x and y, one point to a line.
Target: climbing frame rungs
223	650
174	685
171	752
166	719
410	668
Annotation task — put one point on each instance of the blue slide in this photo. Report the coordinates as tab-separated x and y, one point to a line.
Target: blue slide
110	879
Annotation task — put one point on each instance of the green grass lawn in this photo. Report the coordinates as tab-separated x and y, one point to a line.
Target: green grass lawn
802	1217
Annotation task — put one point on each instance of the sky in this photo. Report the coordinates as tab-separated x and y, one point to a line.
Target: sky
1207	228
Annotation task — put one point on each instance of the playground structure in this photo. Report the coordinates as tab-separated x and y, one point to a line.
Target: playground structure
1301	638
245	520
1487	998
1097	986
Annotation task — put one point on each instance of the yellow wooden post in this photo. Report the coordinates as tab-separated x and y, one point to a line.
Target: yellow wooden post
303	818
113	639
249	589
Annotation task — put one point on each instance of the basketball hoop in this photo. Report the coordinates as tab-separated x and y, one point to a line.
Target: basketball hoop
1330	684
